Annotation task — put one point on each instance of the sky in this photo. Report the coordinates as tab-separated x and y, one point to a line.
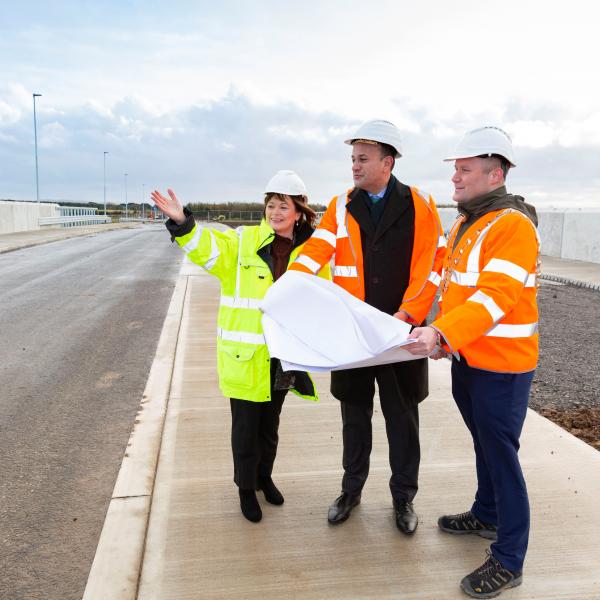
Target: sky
212	98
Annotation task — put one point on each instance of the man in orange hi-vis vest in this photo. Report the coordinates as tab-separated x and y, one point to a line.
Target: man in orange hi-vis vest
488	321
388	246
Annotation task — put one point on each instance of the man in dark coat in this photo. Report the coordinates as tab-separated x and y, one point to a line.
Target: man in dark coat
392	233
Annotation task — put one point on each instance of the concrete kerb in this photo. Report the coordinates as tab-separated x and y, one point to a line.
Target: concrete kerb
569	281
119	555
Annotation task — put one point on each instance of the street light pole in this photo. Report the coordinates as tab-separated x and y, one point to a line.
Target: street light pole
126	195
143	205
105	153
37	179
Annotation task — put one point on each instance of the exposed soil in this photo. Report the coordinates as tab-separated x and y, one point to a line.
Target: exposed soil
566	386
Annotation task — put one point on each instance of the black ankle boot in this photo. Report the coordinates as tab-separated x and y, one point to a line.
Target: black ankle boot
272	494
250	506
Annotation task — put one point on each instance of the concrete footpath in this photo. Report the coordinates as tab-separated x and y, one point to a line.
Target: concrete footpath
174	529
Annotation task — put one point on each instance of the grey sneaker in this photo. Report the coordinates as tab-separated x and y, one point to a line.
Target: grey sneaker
466	523
490	579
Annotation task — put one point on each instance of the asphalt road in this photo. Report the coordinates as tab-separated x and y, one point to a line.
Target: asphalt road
79	324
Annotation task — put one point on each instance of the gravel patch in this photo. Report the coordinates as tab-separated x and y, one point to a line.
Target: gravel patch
566	385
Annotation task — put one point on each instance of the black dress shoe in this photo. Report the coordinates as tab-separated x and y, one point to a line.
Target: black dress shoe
341	508
272	494
250	506
406	517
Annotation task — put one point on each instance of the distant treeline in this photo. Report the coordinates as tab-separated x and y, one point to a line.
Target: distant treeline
109	205
237	206
195	207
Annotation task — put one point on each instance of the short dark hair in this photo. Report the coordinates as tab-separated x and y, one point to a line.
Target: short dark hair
496	161
387	150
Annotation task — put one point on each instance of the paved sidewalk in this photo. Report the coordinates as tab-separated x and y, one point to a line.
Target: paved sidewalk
573	270
174	529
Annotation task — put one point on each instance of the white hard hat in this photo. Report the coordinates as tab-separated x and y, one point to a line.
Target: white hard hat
383	132
485	140
286	182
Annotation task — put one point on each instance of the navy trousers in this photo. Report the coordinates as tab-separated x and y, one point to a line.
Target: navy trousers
493	406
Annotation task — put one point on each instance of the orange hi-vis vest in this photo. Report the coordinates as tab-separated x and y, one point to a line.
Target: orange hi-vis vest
339	233
489	293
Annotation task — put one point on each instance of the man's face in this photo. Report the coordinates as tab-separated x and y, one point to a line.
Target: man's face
369	171
471	180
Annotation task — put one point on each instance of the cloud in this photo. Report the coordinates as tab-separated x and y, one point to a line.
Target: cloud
225	150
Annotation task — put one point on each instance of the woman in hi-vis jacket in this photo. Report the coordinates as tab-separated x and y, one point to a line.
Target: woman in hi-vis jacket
247	260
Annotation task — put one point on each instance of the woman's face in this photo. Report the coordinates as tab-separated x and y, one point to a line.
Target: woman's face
281	214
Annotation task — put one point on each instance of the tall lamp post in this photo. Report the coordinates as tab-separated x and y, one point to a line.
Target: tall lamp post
143	201
105	153
37	179
126	195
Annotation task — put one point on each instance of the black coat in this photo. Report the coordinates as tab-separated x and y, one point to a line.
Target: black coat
387	252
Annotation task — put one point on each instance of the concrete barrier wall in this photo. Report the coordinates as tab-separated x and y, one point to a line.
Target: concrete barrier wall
573	234
24	216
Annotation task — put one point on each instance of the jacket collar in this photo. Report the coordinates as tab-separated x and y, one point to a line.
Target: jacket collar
397	200
497	199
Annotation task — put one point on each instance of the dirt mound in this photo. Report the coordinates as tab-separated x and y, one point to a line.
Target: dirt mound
583	422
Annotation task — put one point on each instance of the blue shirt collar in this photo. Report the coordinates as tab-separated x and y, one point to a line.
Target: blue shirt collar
379	195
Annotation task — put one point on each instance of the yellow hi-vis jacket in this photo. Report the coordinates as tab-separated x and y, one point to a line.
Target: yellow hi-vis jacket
242	356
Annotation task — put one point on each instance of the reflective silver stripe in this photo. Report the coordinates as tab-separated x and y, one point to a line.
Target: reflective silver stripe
339	271
325	235
471	279
465	279
241	336
240	235
193	243
232	302
473	262
214	252
488	303
441	242
312	265
340	216
499	265
435	278
214	249
513	331
423	195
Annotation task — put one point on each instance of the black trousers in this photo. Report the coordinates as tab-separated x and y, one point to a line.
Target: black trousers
254	438
402	427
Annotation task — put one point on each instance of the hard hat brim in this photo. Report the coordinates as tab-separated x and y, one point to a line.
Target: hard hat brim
351	141
459	156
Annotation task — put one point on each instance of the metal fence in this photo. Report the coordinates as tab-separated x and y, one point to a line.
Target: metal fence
75	216
228	215
234	215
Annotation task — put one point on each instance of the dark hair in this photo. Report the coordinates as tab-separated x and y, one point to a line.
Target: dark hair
308	215
500	162
387	150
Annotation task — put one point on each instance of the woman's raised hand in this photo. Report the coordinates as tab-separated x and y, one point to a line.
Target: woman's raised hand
169	206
